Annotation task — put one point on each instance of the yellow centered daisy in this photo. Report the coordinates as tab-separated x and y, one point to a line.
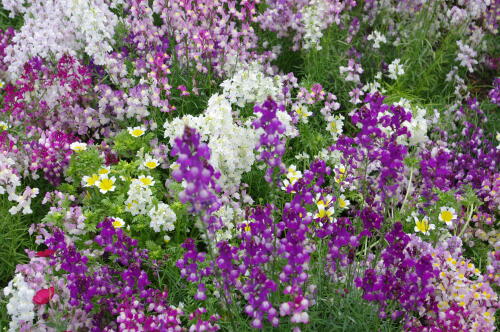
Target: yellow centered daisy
118	222
3	125
146	180
103	170
106	184
151	164
78	146
447	215
136	131
90	180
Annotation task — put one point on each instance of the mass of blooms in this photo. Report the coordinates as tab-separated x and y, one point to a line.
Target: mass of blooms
223	165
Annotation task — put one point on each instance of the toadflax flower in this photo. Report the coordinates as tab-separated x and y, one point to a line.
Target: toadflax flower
447	215
422	225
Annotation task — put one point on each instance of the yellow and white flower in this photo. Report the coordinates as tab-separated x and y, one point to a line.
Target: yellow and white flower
89	181
447	215
2	84
150	162
340	173
104	171
4	125
136	131
325	208
293	175
335	125
422	225
106	184
342	202
118	222
78	146
146	181
302	112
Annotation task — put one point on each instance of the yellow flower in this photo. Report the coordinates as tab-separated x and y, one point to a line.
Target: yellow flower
423	225
136	131
340	173
151	163
106	184
324	208
146	181
343	203
118	222
293	175
2	84
3	125
78	146
89	181
104	171
447	215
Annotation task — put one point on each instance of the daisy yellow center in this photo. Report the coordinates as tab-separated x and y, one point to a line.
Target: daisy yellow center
422	225
137	132
91	180
333	126
103	171
146	181
106	184
3	127
247	228
78	148
151	164
118	224
447	216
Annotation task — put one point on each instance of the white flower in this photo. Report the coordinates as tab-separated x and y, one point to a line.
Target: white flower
146	181
4	125
447	215
20	306
136	131
139	198
106	184
342	202
78	146
162	218
377	38
302	112
150	162
118	222
23	201
335	125
422	225
89	181
396	69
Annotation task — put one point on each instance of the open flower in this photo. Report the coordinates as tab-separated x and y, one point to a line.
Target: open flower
146	181
45	253
422	225
293	175
106	184
4	125
43	296
342	202
117	222
447	215
104	171
136	131
151	162
89	181
78	146
325	208
302	112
